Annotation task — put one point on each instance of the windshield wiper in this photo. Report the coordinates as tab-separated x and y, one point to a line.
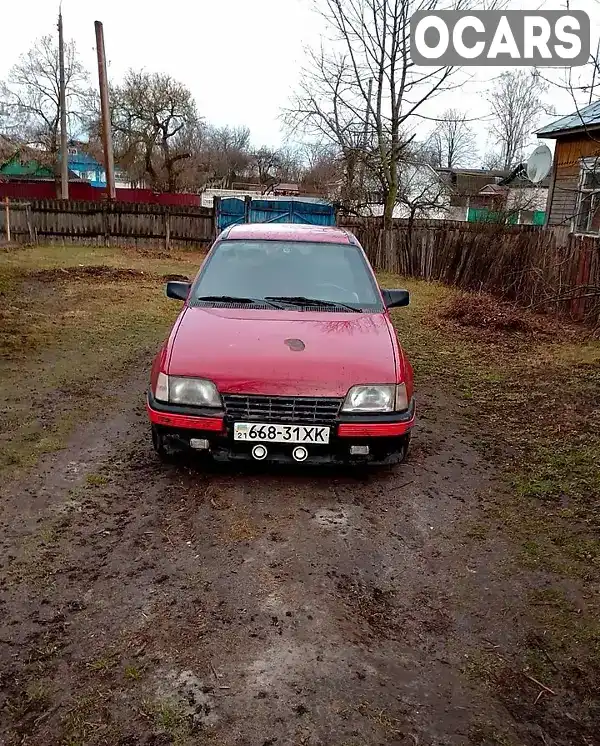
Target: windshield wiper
301	300
236	299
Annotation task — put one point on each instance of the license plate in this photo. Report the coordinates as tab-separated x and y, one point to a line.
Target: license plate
265	433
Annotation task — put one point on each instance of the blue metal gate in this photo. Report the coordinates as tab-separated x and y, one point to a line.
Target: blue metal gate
232	211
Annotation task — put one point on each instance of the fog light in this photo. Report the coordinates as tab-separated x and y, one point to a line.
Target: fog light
198	444
300	453
260	453
359	450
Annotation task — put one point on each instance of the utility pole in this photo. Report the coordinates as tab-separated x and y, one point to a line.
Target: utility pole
363	172
64	154
109	158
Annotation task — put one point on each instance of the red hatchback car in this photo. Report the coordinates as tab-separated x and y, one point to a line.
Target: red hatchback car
284	351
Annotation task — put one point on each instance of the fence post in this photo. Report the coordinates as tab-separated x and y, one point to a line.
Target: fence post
216	214
105	224
7	210
247	208
167	229
29	223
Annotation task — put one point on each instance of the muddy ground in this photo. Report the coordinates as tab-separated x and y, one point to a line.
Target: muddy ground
450	601
151	604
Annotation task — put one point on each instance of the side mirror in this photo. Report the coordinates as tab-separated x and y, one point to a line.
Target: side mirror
178	290
396	298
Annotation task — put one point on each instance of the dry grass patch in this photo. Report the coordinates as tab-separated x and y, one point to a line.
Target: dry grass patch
529	389
70	331
481	311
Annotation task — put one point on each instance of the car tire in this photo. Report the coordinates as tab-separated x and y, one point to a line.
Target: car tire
405	448
158	443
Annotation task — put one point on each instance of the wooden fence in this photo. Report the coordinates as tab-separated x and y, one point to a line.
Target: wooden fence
546	269
103	223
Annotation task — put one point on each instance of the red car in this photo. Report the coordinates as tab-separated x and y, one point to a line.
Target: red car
284	351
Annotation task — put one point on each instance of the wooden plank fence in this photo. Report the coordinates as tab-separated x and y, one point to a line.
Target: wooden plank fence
549	270
105	223
546	269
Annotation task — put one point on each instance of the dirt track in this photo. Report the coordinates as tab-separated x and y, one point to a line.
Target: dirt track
144	604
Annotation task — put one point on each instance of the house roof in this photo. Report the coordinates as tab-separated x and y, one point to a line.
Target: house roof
474	171
20	168
588	117
493	189
83	159
470	181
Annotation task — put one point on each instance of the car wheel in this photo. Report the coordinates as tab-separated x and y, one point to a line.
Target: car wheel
405	447
158	443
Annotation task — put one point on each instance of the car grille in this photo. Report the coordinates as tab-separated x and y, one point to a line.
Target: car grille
293	409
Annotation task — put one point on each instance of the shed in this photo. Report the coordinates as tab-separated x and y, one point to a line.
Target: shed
574	194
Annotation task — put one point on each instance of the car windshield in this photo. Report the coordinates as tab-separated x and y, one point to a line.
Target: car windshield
289	274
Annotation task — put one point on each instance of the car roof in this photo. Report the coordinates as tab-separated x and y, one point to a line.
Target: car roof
289	232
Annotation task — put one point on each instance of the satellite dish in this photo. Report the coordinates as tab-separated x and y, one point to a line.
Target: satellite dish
539	164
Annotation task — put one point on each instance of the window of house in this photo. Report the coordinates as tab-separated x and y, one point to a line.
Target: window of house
587	218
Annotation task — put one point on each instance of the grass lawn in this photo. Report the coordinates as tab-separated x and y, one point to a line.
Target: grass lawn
73	322
531	398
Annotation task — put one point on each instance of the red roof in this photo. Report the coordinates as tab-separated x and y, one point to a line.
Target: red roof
288	232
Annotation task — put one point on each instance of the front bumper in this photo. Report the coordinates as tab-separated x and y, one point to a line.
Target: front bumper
385	435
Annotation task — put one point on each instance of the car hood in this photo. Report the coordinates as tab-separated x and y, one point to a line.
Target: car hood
256	352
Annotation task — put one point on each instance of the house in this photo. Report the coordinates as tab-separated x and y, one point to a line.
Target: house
29	165
89	169
86	166
465	185
524	199
513	199
25	167
574	194
423	194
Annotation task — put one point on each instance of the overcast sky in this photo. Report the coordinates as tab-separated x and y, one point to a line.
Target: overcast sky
240	58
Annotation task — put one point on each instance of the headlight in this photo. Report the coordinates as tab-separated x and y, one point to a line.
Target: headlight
195	392
376	399
370	399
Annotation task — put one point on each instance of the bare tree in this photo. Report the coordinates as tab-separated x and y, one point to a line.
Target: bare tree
321	110
453	140
492	160
267	162
290	164
154	122
516	106
323	169
324	178
276	165
228	153
365	91
30	97
313	152
421	190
